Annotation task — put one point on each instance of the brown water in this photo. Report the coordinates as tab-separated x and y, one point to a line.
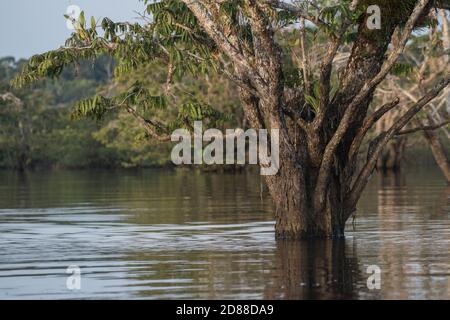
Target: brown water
180	234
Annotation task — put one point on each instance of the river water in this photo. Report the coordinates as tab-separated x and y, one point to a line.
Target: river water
160	234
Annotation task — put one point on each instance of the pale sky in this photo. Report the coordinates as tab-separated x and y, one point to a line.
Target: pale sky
28	27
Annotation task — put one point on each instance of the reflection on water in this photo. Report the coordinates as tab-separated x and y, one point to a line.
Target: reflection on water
313	270
181	234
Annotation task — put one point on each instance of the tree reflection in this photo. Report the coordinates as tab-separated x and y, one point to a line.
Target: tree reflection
325	269
407	212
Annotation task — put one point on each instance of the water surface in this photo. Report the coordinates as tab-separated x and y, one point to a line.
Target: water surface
159	234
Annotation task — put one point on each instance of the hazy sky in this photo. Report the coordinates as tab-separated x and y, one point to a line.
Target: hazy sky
28	27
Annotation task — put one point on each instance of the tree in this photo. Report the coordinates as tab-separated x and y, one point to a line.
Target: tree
322	114
128	139
35	125
20	118
425	61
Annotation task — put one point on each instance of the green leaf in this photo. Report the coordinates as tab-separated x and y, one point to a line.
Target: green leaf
93	23
81	19
402	69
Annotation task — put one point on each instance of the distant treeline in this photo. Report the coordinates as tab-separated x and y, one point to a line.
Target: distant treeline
40	132
36	130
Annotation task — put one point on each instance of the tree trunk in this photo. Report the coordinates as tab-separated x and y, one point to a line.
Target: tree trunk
391	159
296	215
296	219
438	151
392	156
290	201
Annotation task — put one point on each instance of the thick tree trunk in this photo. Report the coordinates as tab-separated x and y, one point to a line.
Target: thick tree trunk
290	201
292	191
300	220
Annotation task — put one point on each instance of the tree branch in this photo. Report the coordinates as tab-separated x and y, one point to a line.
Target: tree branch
228	44
151	127
367	125
264	45
326	71
424	128
299	12
398	50
332	145
212	28
384	138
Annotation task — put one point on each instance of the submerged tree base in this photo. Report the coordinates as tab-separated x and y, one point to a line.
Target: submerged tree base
307	236
284	232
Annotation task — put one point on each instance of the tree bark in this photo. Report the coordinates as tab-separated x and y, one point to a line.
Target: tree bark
438	150
391	158
293	193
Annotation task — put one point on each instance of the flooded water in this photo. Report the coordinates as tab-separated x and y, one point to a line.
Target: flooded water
187	235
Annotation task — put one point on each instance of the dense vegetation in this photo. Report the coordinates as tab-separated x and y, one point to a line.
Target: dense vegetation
41	128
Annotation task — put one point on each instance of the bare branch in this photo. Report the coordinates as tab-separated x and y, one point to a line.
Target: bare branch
367	170
367	125
229	45
424	128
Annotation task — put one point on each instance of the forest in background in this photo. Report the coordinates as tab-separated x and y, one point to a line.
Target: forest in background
41	129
